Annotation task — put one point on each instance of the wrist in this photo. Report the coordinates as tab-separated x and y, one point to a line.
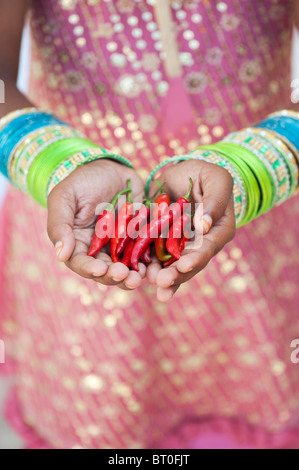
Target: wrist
263	162
38	151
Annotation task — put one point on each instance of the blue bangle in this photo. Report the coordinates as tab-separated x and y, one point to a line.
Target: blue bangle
285	126
15	130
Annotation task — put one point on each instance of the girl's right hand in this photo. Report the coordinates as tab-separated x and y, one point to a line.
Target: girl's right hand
71	220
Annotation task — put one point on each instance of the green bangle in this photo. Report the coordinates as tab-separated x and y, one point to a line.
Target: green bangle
270	156
240	200
252	187
29	151
45	163
264	179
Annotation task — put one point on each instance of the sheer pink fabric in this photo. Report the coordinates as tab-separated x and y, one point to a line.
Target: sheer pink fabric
99	367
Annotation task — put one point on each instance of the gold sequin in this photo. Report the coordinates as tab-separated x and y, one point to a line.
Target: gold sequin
81	42
87	118
238	284
278	367
121	389
110	321
92	383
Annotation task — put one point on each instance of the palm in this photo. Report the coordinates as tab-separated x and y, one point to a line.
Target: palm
76	199
92	186
212	186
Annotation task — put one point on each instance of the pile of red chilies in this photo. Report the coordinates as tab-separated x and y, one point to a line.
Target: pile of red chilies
132	235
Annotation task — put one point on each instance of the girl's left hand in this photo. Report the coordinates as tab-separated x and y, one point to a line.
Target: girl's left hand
212	186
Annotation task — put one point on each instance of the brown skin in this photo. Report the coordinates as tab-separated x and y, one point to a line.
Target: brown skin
71	204
71	216
212	186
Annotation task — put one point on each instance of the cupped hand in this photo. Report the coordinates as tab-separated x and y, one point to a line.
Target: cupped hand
71	220
212	186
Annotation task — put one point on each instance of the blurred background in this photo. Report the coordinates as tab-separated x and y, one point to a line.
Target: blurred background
8	439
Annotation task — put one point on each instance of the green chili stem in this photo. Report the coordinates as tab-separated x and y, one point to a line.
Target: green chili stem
129	198
188	194
148	201
115	199
160	186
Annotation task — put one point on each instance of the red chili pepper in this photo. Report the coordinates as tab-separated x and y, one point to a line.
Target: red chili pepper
176	209
161	203
173	259
179	207
140	218
126	260
104	227
175	235
145	257
151	231
134	225
96	242
124	216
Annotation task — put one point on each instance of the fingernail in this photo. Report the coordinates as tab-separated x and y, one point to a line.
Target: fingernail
188	270
97	274
116	279
206	223
58	248
170	295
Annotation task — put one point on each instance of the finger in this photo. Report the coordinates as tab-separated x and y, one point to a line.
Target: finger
153	270
133	280
165	295
119	275
216	193
142	270
118	271
84	265
61	213
212	243
195	260
167	277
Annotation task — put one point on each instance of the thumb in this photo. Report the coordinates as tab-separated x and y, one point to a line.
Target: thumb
61	213
217	186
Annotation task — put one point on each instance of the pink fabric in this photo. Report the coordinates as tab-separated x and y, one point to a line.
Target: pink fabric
98	367
222	433
13	415
173	122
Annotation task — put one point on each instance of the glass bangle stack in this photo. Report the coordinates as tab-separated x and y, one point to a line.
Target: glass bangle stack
263	161
37	151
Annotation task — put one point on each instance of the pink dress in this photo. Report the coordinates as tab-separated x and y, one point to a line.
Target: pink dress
98	367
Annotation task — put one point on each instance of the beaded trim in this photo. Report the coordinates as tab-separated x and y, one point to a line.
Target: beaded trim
272	159
31	146
68	166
